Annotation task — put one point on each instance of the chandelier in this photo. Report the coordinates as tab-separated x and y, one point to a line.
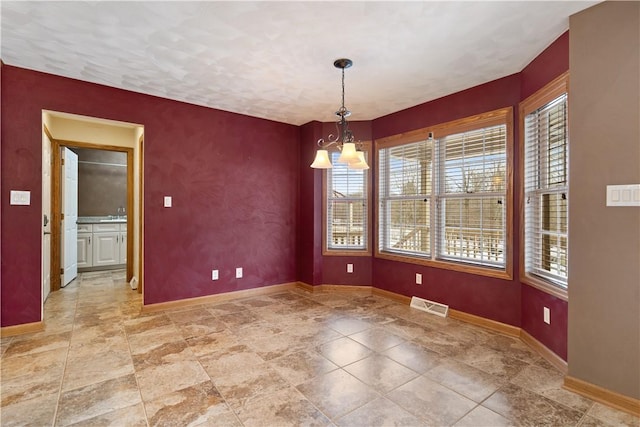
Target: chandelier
350	151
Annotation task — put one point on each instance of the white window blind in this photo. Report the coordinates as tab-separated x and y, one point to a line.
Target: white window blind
347	207
546	192
405	185
445	199
472	208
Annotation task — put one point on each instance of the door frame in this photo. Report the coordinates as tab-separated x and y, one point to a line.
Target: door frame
56	206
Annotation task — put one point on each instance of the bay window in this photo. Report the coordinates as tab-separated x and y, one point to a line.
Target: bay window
546	186
444	195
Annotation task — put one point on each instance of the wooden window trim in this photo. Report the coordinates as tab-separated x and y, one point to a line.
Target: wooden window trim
551	91
366	146
492	118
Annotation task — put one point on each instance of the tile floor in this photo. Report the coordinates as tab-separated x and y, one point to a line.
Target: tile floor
291	358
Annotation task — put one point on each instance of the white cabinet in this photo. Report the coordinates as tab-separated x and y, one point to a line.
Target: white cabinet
85	252
102	244
123	244
105	248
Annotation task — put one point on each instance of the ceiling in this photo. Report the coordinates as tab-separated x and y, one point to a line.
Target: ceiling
275	59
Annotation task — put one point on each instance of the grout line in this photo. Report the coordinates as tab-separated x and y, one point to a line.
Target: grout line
66	359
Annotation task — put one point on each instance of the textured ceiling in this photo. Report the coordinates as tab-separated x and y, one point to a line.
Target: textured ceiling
275	59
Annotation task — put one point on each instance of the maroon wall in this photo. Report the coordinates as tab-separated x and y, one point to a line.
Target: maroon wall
233	180
490	96
552	62
310	208
496	299
334	268
554	334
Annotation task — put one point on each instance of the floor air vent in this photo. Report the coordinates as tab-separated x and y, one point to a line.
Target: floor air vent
430	306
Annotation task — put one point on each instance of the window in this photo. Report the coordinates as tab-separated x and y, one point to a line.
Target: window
347	208
444	200
546	177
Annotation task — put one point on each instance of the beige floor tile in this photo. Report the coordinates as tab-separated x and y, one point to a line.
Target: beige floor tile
380	372
33	412
528	408
549	383
27	387
302	366
337	393
22	346
464	379
354	359
286	407
97	368
612	416
212	343
131	416
380	412
33	364
483	417
431	402
492	361
243	386
97	399
344	351
194	405
223	361
414	356
377	339
159	380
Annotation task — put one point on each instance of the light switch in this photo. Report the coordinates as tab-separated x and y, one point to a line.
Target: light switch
623	195
349	268
20	197
167	201
239	273
214	274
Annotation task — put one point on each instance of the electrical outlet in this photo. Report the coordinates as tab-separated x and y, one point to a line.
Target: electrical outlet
239	273
547	315
349	268
418	279
214	274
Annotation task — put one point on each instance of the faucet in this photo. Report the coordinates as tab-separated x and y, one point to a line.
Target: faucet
122	211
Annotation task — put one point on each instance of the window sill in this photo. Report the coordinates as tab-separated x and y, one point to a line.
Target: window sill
464	268
544	286
346	252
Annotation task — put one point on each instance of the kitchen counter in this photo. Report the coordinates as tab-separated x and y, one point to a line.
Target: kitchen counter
101	220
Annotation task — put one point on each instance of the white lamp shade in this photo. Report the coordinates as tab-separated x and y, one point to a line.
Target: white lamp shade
322	160
361	163
349	153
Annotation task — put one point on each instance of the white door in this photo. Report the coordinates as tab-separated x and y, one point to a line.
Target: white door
70	211
46	217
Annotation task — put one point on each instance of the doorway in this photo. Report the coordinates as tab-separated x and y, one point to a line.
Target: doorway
86	133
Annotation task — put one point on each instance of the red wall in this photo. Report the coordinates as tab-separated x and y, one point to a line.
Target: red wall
233	180
552	62
554	334
488	297
310	208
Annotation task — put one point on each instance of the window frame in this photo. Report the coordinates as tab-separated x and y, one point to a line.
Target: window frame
548	93
502	116
326	251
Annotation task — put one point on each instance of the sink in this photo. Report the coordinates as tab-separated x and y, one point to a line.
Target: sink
113	220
